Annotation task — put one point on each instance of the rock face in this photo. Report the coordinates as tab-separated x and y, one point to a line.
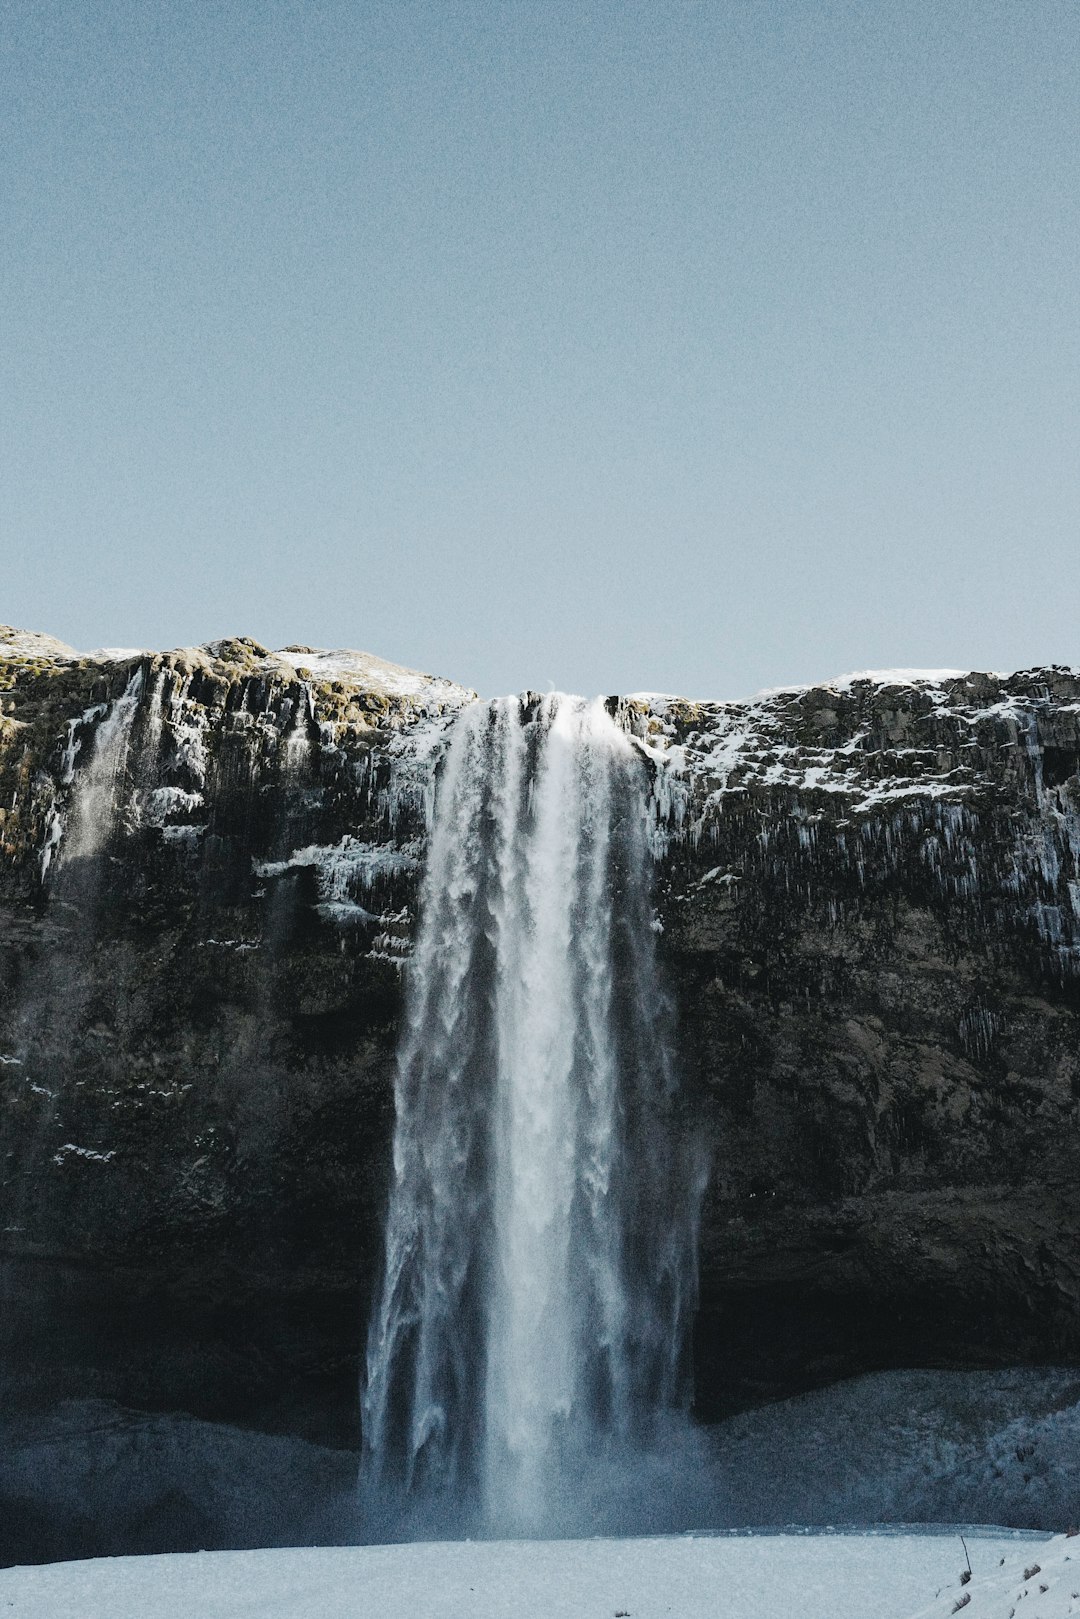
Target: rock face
873	922
870	901
209	859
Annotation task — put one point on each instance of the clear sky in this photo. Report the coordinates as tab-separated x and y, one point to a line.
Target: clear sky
692	345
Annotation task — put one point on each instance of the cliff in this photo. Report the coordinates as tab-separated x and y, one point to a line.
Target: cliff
872	916
869	896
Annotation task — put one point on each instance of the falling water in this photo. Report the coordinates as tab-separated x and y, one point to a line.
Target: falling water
296	747
95	795
540	1244
49	1015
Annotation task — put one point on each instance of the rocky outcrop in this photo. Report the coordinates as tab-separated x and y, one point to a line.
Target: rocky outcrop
209	866
870	901
873	922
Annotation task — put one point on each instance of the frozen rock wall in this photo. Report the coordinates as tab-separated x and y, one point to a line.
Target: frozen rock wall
205	896
872	921
869	897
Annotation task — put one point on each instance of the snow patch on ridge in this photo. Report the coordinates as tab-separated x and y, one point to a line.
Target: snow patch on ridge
30	644
874	677
366	670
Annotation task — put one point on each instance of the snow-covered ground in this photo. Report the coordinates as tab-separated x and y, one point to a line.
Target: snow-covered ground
88	1478
841	1576
1043	1583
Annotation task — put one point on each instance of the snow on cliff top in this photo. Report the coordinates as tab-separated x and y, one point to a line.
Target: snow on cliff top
373	673
29	644
875	677
366	670
1046	1580
362	669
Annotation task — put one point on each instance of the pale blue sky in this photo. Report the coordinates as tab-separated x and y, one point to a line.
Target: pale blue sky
669	345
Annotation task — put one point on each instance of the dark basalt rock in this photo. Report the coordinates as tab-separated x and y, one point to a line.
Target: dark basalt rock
198	1035
870	901
875	950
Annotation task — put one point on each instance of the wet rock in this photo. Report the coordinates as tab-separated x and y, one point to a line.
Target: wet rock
869	897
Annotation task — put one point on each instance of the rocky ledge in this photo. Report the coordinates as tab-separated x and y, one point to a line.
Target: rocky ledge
869	893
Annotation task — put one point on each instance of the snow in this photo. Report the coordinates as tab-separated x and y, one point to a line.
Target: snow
879	677
87	1154
361	669
366	670
735	746
991	1447
29	644
874	677
949	1447
1050	1576
790	1576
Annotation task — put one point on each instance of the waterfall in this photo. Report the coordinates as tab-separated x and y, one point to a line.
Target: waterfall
296	746
540	1244
95	791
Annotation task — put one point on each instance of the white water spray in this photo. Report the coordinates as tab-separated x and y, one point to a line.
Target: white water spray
95	795
296	743
540	1245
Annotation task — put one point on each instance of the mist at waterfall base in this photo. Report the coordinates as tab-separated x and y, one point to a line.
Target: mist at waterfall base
527	1355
